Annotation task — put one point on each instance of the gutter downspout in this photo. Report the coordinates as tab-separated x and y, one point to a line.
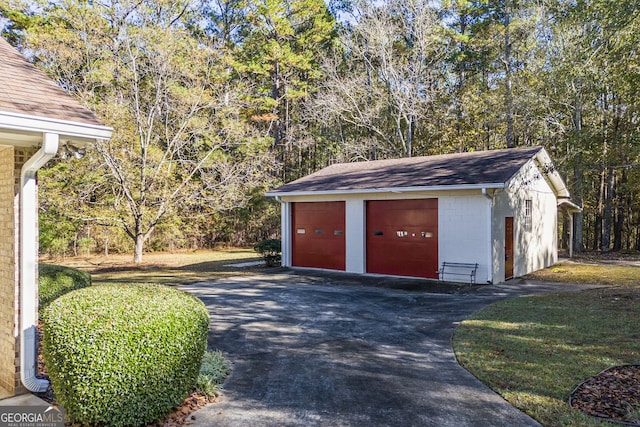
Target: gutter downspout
28	248
490	235
285	227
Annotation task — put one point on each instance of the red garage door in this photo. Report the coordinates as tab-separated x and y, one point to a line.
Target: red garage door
318	235
402	237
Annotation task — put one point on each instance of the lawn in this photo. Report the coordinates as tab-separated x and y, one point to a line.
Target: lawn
169	268
535	350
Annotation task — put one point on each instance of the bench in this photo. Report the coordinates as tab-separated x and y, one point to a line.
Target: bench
458	269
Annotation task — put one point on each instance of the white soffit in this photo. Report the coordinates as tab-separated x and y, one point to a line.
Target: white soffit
388	190
553	177
23	130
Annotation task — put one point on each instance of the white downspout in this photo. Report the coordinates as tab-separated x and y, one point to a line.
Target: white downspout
28	230
285	239
285	226
490	235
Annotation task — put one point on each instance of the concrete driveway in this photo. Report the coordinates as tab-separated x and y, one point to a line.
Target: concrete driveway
339	350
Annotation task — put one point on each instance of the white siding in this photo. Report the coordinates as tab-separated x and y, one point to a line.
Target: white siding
533	249
355	235
463	232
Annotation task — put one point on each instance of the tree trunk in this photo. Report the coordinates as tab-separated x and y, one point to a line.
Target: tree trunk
410	133
566	235
597	232
607	217
485	124
578	173
507	82
139	246
372	150
276	125
620	212
460	87
577	193
597	229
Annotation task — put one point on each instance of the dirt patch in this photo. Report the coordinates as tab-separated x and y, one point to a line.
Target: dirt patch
614	395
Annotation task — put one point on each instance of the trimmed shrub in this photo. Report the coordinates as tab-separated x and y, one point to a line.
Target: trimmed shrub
270	250
123	355
56	280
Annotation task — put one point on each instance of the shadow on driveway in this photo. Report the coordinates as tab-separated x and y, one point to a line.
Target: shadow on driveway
315	349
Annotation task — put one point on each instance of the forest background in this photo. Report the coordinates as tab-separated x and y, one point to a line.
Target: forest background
214	102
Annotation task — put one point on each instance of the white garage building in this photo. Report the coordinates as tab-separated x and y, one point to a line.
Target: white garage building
406	217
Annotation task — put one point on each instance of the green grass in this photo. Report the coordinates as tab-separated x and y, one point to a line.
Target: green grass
164	267
609	274
535	350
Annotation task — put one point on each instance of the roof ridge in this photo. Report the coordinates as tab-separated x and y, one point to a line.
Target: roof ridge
535	148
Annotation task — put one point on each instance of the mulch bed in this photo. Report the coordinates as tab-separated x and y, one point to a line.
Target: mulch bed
613	394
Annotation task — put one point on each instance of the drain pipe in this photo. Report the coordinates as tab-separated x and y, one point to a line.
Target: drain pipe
285	227
29	263
490	237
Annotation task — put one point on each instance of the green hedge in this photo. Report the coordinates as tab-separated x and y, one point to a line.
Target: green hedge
123	355
55	281
271	251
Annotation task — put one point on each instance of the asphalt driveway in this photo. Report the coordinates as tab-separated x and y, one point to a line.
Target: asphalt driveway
338	350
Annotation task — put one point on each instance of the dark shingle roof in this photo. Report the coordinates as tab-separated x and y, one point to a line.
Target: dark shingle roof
26	90
460	169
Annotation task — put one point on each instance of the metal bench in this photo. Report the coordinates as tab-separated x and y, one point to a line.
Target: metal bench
459	269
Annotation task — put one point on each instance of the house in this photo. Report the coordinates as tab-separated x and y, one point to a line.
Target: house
405	217
37	120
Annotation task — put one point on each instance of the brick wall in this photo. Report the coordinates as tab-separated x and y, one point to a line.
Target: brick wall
7	272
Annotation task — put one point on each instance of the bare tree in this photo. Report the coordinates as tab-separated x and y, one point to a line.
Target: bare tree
395	52
179	140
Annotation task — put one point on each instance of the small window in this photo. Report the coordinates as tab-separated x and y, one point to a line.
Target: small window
319	232
338	232
378	233
527	215
301	231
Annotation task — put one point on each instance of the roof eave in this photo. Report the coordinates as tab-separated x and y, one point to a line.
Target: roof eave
553	177
568	206
386	190
25	125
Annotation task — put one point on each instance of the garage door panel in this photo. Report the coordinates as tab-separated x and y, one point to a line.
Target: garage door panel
318	235
402	237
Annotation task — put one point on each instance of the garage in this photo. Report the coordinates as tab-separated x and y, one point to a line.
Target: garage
402	237
318	235
495	209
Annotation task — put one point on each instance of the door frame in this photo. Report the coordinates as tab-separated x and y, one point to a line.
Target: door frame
509	248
